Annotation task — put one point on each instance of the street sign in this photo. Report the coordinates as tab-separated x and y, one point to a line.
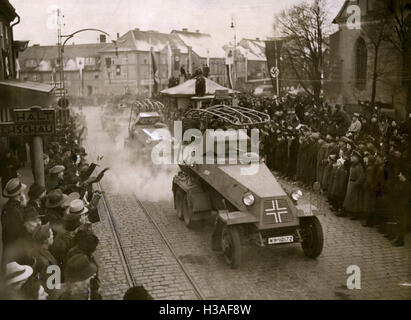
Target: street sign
29	115
11	129
30	122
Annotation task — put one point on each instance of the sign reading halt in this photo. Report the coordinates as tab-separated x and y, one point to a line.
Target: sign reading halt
40	115
34	122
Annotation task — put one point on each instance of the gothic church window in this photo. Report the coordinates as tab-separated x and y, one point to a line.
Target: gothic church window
360	64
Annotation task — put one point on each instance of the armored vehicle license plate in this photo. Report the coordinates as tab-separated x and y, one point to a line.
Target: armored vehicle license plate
277	240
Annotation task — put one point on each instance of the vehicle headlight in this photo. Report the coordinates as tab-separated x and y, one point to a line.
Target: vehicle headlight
296	195
248	199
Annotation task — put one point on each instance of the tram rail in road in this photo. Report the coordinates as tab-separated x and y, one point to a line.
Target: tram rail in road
123	256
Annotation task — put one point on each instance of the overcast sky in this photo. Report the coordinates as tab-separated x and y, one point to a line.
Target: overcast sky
253	17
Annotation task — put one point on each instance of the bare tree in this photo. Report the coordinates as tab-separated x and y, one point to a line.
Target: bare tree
400	13
376	30
305	28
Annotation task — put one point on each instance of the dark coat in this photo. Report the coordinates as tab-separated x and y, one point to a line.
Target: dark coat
370	189
44	258
338	187
12	221
326	176
63	242
353	199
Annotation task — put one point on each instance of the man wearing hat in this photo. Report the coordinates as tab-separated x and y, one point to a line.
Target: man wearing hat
16	276
12	213
55	209
78	273
77	207
64	241
55	178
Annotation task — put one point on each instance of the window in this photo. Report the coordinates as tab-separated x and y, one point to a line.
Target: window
118	70
36	77
360	64
96	76
90	61
31	63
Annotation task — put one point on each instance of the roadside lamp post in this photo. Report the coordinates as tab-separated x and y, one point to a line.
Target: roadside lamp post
61	57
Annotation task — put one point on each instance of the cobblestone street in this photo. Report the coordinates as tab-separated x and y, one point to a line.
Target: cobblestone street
266	273
281	272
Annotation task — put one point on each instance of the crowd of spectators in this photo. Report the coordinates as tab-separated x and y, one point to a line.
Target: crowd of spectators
46	231
361	163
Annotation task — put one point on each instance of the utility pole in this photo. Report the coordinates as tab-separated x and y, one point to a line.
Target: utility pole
149	65
233	26
276	66
59	48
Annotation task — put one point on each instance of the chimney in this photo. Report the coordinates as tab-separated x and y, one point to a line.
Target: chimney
36	45
198	31
258	39
185	30
118	35
102	38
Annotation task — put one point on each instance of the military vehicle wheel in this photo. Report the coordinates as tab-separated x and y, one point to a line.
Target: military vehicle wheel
187	213
231	245
179	198
313	238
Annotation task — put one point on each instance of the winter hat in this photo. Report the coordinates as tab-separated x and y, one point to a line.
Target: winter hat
55	198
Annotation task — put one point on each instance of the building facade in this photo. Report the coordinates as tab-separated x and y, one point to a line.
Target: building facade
82	67
8	53
352	60
128	65
202	51
250	63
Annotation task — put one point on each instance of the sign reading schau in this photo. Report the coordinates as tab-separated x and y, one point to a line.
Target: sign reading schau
29	129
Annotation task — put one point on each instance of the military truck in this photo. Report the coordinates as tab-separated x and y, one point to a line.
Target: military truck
245	208
141	129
